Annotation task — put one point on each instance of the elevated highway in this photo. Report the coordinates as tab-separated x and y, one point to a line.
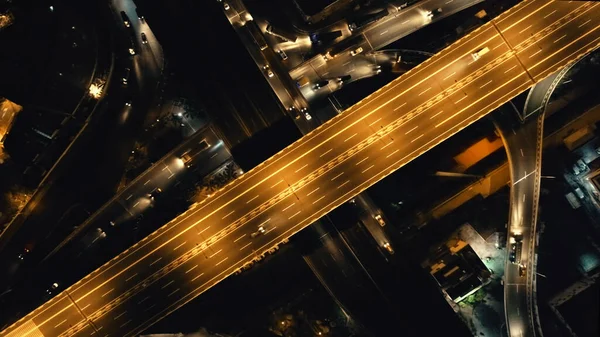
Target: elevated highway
328	166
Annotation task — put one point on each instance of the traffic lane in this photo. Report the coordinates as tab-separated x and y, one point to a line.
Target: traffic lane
545	14
578	38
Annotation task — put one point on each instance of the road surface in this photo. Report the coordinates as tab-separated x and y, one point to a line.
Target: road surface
320	171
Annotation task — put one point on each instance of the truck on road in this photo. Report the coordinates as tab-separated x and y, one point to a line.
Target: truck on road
364	20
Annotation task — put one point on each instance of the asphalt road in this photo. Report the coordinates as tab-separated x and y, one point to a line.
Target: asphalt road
523	147
397	24
317	173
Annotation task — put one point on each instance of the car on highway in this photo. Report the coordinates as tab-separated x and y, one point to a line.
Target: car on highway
52	288
321	84
126	20
186	158
259	231
132	50
479	53
388	247
140	15
267	70
380	220
125	79
226	6
294	112
516	243
307	116
344	79
282	54
356	51
128	103
144	38
433	13
522	270
152	195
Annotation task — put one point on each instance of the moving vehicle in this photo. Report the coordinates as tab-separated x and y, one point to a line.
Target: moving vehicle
516	244
388	247
434	13
132	50
356	51
294	112
479	53
155	193
140	15
380	220
282	34
282	54
345	45
321	84
259	231
367	19
344	79
302	81
522	270
144	38
126	20
226	6
186	158
267	70
125	79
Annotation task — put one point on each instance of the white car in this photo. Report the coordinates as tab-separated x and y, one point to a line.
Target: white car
356	51
261	230
479	53
307	116
226	6
388	247
380	220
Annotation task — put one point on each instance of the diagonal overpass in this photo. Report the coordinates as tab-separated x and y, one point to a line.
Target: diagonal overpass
320	171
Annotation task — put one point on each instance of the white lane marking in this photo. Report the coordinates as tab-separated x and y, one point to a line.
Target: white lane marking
202	231
214	155
339	175
412	141
189	270
407	21
171	176
246	246
148	308
486	83
61	323
238	239
498	46
313	191
522	154
173	292
386	145
424	91
119	315
368	168
305	165
511	68
585	23
218	251
124	324
434	116
82	309
523	197
264	222
108	292
375	122
347	181
195	278
398	107
391	154
132	276
321	198
560	38
184	242
146	183
461	99
326	152
285	209
168	284
524	177
383	33
160	258
449	1
143	299
228	214
525	29
277	183
134	205
221	261
554	11
347	139
447	77
537	52
411	130
129	197
361	161
249	201
294	214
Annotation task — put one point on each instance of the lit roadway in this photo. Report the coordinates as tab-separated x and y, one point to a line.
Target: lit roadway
320	171
397	24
